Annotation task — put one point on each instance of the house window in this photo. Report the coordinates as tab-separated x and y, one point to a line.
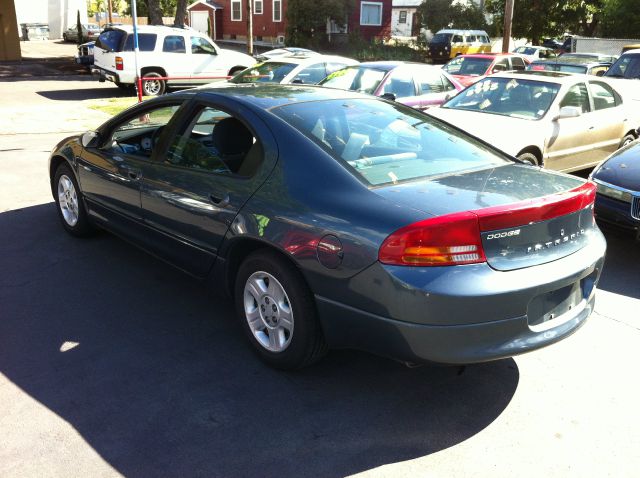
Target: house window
371	13
236	10
277	10
402	18
257	7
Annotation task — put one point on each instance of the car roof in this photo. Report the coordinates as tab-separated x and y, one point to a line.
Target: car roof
489	55
546	76
582	61
462	30
269	95
157	29
298	59
631	52
390	65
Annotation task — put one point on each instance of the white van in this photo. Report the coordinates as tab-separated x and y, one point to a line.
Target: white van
164	52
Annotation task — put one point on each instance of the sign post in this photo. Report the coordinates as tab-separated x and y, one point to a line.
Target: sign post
136	50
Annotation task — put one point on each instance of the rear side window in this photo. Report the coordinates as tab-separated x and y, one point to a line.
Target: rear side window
429	81
174	44
518	63
383	143
603	96
110	40
577	96
311	74
146	42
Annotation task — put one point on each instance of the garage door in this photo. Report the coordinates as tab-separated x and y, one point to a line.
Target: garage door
199	21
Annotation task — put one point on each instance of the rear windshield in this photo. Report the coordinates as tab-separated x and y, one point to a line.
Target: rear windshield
110	40
466	65
558	67
385	143
355	78
271	72
524	99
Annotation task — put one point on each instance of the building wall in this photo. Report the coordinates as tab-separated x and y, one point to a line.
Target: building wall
370	31
264	28
217	17
402	29
58	14
9	39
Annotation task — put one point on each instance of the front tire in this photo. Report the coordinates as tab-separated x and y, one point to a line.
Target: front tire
278	312
153	87
70	205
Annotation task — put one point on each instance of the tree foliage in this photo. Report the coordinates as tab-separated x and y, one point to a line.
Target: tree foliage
621	19
538	19
439	14
307	20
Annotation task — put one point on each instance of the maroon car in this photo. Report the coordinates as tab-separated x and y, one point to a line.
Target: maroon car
468	69
413	84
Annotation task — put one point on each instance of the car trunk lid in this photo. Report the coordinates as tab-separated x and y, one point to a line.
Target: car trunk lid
525	216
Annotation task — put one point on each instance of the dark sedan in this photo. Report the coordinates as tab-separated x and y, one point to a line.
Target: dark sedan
618	182
583	66
336	219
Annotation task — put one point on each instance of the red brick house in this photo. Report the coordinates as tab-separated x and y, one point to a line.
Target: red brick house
227	19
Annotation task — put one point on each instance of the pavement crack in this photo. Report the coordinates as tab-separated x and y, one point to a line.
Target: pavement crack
619	321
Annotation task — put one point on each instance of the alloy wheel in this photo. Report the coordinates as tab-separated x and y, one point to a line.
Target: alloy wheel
68	200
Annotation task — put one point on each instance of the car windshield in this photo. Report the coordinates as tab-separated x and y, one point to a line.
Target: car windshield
468	65
518	98
627	66
441	38
269	72
524	50
384	143
92	26
355	78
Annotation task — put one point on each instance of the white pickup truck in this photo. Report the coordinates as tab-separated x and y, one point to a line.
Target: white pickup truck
164	52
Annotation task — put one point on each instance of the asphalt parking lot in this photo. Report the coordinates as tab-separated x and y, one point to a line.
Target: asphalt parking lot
114	364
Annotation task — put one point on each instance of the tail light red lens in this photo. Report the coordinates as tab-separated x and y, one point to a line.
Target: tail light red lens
440	241
119	63
455	238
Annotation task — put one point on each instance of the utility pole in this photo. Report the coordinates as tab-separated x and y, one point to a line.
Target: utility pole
249	27
110	7
506	33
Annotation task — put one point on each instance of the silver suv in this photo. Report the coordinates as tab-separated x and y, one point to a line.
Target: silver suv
170	52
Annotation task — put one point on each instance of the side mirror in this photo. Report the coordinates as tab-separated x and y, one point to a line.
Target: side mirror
451	94
569	112
388	96
89	139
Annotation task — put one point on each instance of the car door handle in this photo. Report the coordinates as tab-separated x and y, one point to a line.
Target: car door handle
132	173
222	201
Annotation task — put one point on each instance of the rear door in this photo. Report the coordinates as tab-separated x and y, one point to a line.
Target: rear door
176	59
210	165
609	119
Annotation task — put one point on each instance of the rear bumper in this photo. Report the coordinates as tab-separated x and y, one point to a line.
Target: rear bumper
480	315
109	75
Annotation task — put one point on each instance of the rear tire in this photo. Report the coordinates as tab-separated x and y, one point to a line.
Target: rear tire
153	87
69	202
65	37
626	140
278	312
529	158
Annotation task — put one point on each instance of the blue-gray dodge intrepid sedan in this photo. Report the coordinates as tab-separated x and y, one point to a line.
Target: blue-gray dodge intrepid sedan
341	220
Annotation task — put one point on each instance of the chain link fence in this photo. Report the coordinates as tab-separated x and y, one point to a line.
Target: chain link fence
608	46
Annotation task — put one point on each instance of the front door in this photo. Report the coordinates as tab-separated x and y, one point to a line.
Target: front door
110	174
205	61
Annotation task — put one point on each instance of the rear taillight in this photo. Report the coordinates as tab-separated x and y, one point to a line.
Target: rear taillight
455	238
119	63
440	241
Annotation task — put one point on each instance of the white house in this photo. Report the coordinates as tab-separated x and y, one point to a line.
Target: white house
58	14
405	21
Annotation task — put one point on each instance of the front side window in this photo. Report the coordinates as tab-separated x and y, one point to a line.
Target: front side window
216	142
371	13
400	84
524	99
277	10
430	82
312	74
354	78
268	72
468	65
236	10
384	143
456	39
138	136
174	44
200	46
577	96
518	63
627	66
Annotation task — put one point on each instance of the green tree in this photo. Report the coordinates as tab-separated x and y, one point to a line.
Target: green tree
439	14
307	20
621	19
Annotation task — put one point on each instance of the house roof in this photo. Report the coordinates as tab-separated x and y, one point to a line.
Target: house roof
207	3
407	3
